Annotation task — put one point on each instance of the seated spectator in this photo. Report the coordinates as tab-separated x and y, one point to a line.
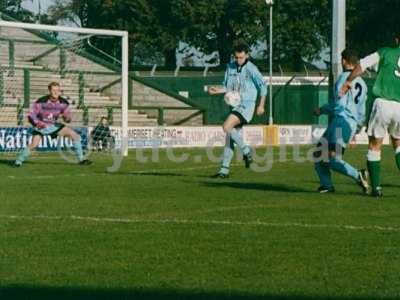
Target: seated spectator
101	136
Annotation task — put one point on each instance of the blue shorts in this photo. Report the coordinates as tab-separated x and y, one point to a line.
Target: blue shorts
51	130
339	132
244	111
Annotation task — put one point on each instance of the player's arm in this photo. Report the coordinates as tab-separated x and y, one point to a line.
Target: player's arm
33	116
261	106
361	120
66	115
326	109
362	112
216	89
261	86
219	89
365	63
361	117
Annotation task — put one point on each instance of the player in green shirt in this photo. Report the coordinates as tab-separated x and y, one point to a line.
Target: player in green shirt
385	115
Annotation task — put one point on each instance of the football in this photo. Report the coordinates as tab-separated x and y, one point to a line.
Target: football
232	98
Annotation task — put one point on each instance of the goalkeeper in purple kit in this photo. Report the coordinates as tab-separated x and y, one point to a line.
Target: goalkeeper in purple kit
45	117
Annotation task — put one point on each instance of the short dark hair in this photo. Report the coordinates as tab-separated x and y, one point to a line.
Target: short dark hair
351	56
240	46
51	84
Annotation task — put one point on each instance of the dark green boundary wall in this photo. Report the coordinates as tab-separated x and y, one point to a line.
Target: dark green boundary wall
292	104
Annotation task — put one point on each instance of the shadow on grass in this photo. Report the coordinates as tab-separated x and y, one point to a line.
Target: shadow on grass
6	162
389	185
166	174
257	186
10	163
67	293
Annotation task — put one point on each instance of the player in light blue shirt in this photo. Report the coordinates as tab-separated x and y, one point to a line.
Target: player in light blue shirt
347	116
350	107
243	78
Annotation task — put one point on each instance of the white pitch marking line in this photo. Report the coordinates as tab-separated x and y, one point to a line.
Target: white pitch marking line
204	222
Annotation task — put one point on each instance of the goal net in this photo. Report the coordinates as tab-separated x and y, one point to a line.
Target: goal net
91	68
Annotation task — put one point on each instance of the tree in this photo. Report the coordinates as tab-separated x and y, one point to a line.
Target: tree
14	9
371	24
158	26
301	31
301	27
94	14
216	24
155	27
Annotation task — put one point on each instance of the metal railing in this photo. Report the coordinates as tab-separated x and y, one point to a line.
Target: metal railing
162	109
119	62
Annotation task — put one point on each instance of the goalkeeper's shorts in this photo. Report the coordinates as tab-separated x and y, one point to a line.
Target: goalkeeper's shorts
51	130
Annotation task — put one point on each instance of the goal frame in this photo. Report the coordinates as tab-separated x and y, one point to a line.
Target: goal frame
125	62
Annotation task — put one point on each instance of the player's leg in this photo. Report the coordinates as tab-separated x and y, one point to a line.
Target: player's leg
340	166
374	164
322	168
230	127
26	152
396	147
321	159
342	134
394	131
380	119
337	164
343	130
227	157
76	142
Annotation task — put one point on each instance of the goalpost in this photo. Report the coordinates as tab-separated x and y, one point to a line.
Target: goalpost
338	36
95	87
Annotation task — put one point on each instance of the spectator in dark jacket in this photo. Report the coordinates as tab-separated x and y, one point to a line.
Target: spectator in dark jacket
101	136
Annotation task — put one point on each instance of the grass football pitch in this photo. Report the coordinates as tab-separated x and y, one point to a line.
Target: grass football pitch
165	230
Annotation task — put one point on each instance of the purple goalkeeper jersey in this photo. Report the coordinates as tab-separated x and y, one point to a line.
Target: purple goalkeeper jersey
46	112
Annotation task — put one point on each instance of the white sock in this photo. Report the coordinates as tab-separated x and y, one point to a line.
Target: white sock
374	155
